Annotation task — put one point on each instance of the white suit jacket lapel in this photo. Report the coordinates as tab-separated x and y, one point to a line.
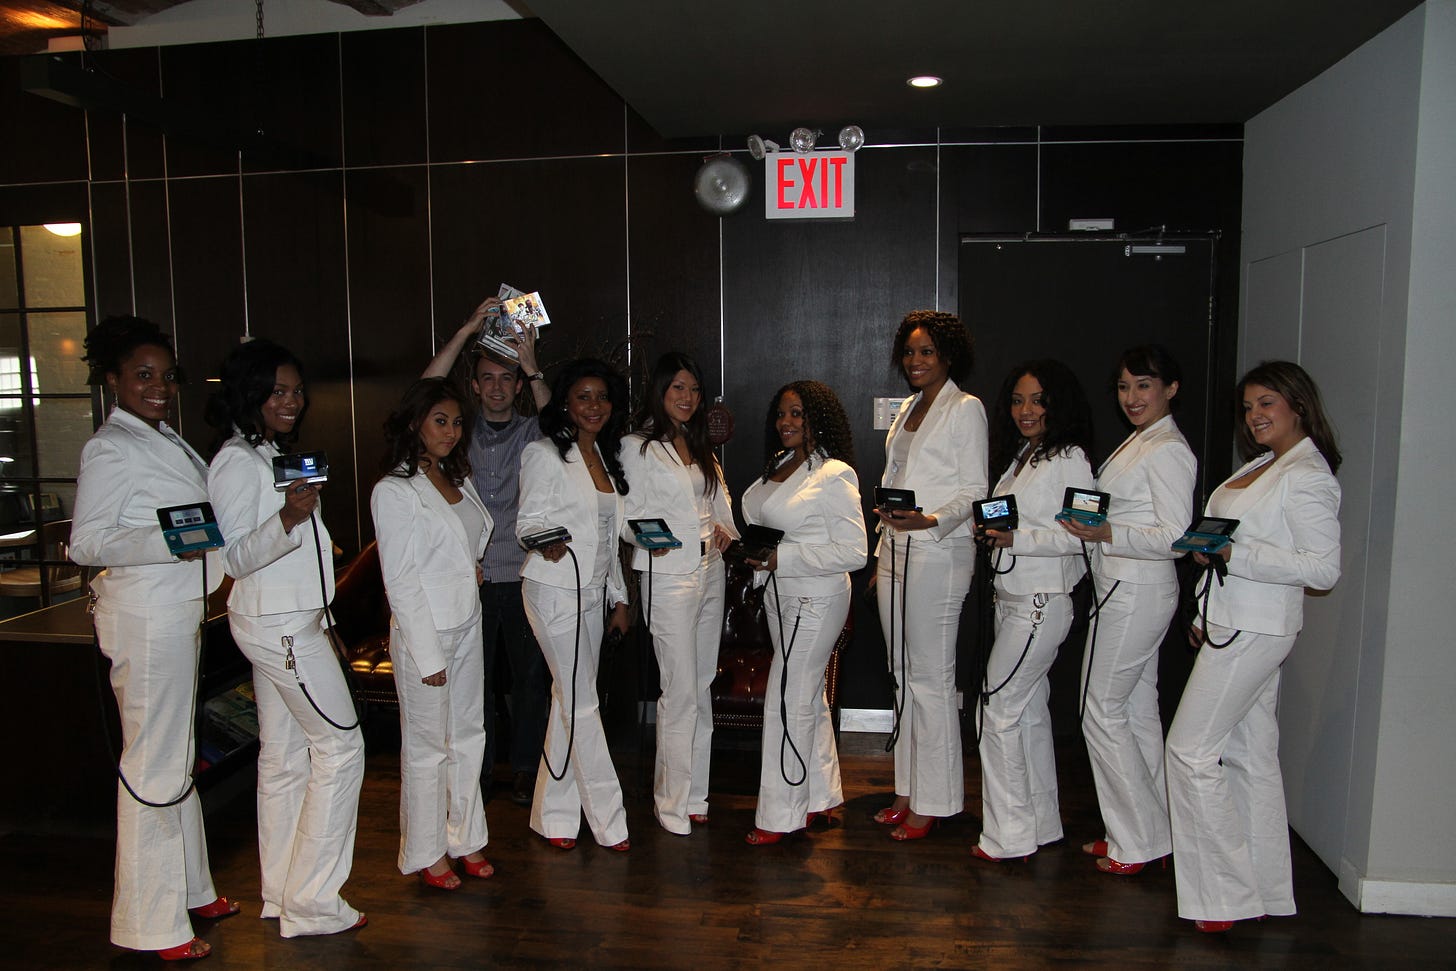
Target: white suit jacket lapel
431	498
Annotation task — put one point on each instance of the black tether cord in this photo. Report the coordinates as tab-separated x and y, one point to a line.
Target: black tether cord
985	696
348	672
1096	617
895	683
786	743
106	724
1210	571
575	664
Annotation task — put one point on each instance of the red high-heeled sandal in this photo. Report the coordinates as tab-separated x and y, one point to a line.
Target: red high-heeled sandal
621	847
827	815
440	881
562	842
1213	926
905	831
1095	848
698	819
1108	865
220	909
981	854
890	816
191	951
481	870
763	837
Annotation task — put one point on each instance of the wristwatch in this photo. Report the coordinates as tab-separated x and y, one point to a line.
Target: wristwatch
535	376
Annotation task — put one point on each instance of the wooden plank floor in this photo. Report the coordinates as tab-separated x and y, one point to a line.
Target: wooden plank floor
845	897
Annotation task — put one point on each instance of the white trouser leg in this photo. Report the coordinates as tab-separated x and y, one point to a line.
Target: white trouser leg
1230	830
442	745
1122	727
811	760
589	782
687	621
1019	806
161	854
309	772
928	765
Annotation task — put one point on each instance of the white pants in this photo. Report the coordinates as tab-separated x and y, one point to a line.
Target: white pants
442	744
687	623
589	783
161	854
928	753
1230	830
1122	727
1019	808
806	754
309	772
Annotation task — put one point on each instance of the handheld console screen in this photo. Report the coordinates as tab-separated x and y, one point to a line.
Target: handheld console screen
995	513
545	537
1085	506
895	500
757	543
190	527
299	467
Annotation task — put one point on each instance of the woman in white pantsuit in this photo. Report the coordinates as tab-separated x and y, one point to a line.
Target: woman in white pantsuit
432	529
311	755
937	447
808	490
572	478
1230	830
675	477
1041	429
1150	478
148	611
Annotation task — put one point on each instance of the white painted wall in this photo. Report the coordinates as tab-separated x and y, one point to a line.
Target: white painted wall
1350	268
200	21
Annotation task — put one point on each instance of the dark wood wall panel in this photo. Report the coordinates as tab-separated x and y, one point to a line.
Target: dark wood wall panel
553	225
383	96
512	89
151	251
30	205
111	255
208	286
674	262
983	189
125	144
389	292
43	140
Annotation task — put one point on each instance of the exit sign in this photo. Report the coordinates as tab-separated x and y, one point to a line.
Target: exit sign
810	185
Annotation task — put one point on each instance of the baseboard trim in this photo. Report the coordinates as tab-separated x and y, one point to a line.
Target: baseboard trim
1397	896
876	720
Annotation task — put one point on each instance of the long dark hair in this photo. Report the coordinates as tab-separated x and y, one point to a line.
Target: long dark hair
556	423
656	425
113	340
249	374
1068	416
1149	361
402	449
826	425
951	339
1294	385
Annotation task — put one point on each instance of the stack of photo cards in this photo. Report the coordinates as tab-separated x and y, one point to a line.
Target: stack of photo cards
517	310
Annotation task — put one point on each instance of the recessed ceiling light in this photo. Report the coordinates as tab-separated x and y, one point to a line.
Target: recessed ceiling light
924	81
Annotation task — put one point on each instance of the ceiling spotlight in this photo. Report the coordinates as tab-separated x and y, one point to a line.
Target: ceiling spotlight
721	185
851	138
924	81
803	139
759	147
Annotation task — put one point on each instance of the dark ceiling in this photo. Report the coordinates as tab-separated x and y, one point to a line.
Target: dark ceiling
696	67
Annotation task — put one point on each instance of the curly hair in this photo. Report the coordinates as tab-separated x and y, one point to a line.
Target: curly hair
1068	416
826	425
402	448
113	340
951	339
249	373
556	423
655	424
1294	385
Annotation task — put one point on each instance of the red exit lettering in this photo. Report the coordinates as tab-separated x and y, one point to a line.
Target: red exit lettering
797	178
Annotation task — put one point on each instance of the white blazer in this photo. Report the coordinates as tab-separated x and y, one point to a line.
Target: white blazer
557	493
1288	539
1043	557
428	562
1151	479
819	511
129	470
661	487
275	572
947	462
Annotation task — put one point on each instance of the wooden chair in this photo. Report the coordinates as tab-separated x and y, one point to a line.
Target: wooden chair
61	575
